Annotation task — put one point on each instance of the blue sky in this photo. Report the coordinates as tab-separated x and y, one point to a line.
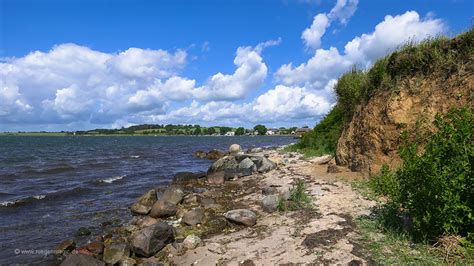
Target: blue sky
70	65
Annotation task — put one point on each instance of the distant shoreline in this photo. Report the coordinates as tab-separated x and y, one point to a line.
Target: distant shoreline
59	134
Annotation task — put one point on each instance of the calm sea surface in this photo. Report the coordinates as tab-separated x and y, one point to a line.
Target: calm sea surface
51	186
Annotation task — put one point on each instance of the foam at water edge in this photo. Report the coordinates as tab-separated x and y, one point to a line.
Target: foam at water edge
112	179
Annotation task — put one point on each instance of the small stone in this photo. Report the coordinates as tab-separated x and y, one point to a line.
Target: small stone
270	203
269	190
214	155
114	252
322	159
127	261
241	216
190	199
285	195
95	247
84	251
163	209
192	242
193	217
83	231
278	160
172	194
145	202
186	177
66	245
216	178
80	259
247	263
147	221
235	148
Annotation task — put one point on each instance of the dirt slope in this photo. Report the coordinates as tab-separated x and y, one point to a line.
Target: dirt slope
373	135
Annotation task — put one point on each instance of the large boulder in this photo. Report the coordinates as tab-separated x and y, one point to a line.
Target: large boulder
148	241
115	251
172	194
79	260
235	148
163	209
145	202
263	164
226	162
193	216
241	216
185	177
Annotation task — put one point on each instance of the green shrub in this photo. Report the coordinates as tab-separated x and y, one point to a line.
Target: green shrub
437	187
385	183
323	138
299	198
350	89
434	189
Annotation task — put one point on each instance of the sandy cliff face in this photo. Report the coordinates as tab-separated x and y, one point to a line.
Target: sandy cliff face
373	135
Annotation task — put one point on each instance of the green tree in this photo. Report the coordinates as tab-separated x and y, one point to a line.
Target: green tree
211	131
197	131
239	131
223	130
261	129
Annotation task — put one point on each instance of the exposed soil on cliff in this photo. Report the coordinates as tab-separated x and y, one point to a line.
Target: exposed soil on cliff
374	133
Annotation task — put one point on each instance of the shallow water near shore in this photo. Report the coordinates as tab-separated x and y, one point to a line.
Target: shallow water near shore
51	186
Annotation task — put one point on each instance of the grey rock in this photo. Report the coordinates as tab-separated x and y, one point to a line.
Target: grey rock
127	261
285	195
184	177
172	194
152	239
216	178
80	260
236	173
214	155
241	216
269	190
317	191
163	209
192	242
226	162
247	164
193	216
200	154
270	203
266	165
83	231
145	202
322	159
114	252
200	190
255	150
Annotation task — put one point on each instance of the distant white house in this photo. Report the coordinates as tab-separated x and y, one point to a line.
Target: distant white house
230	133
